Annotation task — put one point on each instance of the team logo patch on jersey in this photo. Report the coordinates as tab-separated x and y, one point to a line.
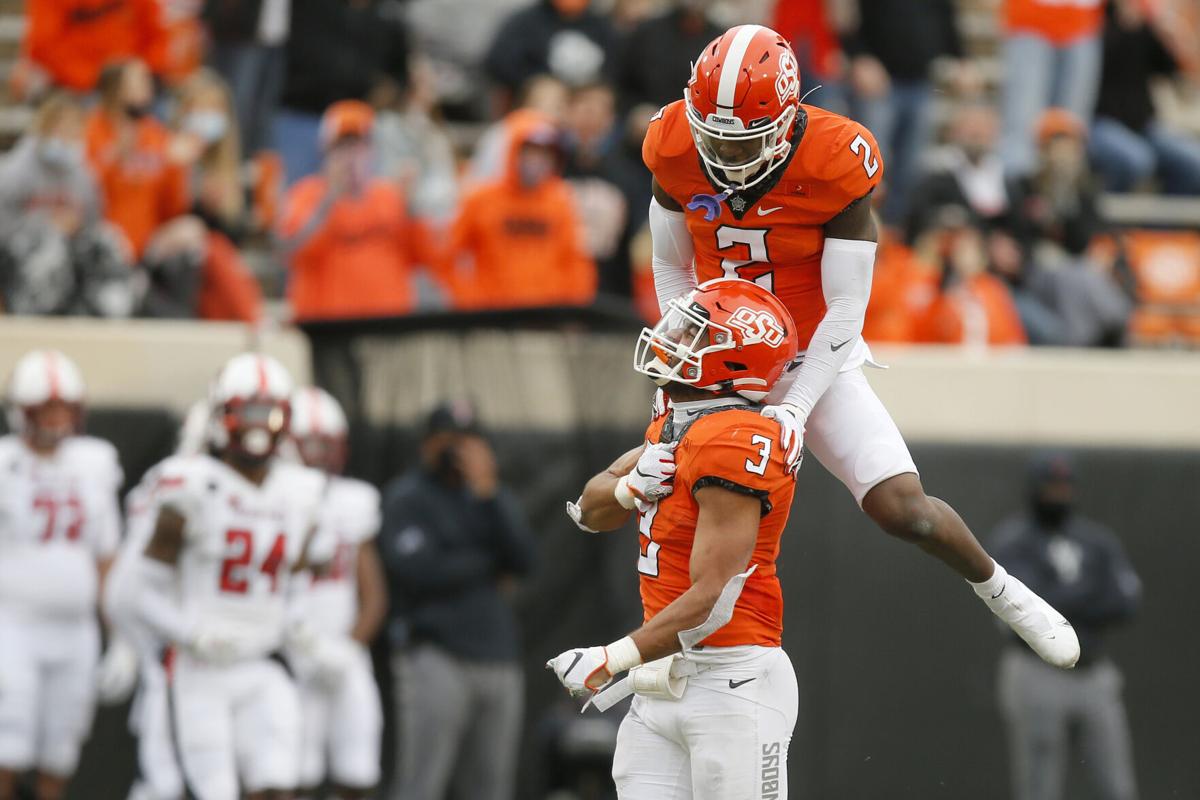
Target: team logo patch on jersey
758	326
787	85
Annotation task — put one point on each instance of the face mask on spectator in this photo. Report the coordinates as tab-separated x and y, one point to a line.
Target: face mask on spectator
535	166
136	110
208	126
57	154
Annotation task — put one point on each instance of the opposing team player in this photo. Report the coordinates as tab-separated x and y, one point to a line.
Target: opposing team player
750	182
345	602
59	527
713	723
231	529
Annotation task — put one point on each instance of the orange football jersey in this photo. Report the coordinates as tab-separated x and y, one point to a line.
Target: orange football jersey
737	449
772	233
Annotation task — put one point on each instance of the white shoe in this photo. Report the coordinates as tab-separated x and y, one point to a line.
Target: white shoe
1045	630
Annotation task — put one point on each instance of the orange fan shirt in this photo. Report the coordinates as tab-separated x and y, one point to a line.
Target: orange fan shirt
736	449
776	239
1059	22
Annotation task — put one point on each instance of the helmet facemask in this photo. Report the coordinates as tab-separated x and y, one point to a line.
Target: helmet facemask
737	157
674	349
46	425
253	429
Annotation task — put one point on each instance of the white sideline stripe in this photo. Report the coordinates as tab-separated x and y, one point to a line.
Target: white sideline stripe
727	88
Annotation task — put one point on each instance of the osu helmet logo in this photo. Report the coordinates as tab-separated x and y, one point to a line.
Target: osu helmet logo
787	85
758	325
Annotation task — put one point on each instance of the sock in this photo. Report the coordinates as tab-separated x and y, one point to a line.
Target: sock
993	586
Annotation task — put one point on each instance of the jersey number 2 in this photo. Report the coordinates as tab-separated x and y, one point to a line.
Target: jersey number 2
233	568
860	147
755	242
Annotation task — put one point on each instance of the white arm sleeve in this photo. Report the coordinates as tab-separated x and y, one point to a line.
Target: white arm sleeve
673	254
155	586
846	268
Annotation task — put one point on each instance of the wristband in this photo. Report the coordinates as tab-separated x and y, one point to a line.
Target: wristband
624	494
622	655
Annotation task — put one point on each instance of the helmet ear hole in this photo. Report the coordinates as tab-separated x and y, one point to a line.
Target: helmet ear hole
735	366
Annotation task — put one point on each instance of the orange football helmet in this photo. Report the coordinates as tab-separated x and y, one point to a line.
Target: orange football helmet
725	335
742	102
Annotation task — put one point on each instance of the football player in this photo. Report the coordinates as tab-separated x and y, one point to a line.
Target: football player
230	528
342	719
716	695
59	528
749	182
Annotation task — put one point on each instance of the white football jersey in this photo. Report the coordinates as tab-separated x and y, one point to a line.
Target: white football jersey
349	516
141	512
242	541
58	515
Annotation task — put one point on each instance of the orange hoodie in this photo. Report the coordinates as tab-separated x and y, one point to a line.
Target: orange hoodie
74	39
515	246
141	188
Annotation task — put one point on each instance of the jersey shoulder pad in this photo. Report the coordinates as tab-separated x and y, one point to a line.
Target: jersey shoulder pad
737	449
840	154
182	482
357	504
96	459
306	484
668	139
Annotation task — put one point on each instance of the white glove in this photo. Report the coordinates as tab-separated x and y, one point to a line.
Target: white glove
651	480
660	406
223	642
791	432
583	671
117	672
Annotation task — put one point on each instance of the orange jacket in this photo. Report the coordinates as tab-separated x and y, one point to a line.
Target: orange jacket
228	290
1061	23
74	39
142	189
512	246
948	319
355	261
902	289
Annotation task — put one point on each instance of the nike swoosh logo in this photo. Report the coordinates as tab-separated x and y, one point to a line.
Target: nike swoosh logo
735	684
578	656
762	212
836	347
997	594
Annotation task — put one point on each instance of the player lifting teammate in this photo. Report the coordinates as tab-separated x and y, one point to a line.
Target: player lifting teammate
751	183
713	723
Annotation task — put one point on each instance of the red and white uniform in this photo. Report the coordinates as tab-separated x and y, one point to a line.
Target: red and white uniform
728	735
58	516
237	726
342	724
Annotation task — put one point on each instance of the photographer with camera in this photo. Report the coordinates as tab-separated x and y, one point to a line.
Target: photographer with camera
453	541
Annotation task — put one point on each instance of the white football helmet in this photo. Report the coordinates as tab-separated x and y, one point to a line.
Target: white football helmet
250	407
319	430
44	378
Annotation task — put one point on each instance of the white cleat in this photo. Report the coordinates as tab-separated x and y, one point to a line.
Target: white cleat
1045	630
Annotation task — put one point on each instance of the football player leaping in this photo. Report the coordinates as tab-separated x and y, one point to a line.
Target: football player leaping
714	723
342	720
230	531
59	528
750	182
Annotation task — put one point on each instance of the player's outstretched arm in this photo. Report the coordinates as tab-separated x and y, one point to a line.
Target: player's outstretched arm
638	479
673	252
726	532
598	508
155	578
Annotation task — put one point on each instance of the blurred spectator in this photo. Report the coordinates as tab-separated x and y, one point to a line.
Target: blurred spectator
57	255
1051	54
141	186
68	42
1060	197
1086	297
453	540
349	243
1079	566
248	49
972	306
891	50
903	286
609	183
185	38
652	61
1128	145
336	50
517	240
968	172
206	137
809	26
413	148
542	93
563	38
